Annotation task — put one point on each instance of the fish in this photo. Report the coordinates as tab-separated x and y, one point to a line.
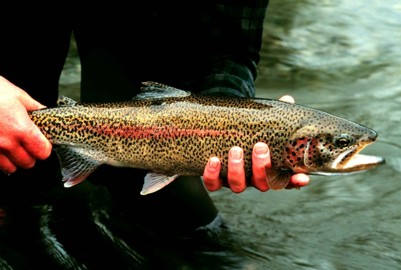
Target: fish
172	132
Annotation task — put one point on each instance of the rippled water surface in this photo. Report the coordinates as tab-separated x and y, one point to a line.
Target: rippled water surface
343	57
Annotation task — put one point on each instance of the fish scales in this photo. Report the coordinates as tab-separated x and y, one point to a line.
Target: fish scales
171	132
176	133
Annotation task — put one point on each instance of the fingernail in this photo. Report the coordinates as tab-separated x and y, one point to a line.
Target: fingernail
213	164
261	150
236	153
288	99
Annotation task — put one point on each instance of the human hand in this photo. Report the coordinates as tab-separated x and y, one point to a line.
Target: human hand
236	172
21	141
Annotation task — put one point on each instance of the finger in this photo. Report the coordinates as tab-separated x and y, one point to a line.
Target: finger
236	171
260	161
15	152
297	181
36	144
211	174
300	180
29	103
6	165
288	99
21	158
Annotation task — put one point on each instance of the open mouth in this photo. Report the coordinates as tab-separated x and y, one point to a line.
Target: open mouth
351	161
360	162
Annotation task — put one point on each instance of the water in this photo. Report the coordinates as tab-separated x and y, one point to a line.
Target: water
343	57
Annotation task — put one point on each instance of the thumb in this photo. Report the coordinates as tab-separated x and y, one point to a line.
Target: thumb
29	103
10	89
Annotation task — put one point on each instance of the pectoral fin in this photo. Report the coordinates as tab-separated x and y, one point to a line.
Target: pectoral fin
154	182
76	164
278	179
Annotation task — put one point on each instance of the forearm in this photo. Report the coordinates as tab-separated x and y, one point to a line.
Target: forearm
228	77
236	39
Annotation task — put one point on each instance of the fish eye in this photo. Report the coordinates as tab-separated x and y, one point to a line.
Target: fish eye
343	140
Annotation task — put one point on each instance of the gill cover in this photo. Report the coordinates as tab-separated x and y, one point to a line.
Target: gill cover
310	151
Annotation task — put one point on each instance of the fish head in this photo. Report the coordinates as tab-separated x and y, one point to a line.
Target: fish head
330	146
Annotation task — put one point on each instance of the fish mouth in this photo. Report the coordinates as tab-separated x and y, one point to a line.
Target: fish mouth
360	162
351	161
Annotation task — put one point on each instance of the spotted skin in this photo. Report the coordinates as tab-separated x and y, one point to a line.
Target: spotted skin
178	134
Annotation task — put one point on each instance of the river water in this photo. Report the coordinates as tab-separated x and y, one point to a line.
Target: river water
343	57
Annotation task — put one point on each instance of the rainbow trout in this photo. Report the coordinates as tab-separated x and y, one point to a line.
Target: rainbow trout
172	132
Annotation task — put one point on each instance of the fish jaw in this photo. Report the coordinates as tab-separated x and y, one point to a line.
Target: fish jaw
355	163
360	162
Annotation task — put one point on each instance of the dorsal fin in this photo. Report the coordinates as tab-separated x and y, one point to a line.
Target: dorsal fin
151	90
66	101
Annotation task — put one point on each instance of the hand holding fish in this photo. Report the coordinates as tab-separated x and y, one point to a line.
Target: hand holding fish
21	141
236	174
